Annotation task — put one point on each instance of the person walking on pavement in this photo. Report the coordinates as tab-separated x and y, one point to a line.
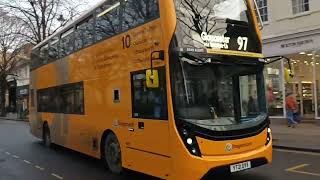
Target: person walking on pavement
291	107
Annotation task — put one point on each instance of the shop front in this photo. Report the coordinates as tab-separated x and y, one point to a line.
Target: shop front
22	101
303	50
12	98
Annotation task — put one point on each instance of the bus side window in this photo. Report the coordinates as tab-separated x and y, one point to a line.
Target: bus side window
53	50
43	100
84	33
66	99
78	99
138	12
107	20
32	97
149	103
66	43
44	54
35	58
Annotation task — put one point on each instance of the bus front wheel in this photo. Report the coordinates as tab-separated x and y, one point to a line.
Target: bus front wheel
46	136
112	154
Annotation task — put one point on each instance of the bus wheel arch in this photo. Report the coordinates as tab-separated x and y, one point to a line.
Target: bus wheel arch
46	136
110	145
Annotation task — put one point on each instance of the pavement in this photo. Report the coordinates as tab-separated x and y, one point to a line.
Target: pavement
305	136
13	117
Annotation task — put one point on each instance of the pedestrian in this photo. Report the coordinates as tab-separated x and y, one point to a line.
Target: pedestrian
291	107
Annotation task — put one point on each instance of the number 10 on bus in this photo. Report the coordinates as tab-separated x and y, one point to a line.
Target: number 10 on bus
126	42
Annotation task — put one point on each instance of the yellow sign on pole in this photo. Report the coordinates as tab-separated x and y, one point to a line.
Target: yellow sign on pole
288	75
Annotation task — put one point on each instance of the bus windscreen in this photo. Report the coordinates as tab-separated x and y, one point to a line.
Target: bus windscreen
216	24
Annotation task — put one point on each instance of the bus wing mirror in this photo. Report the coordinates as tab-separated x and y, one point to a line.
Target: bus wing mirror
152	78
157	55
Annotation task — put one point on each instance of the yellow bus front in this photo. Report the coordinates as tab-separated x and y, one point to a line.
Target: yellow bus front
218	108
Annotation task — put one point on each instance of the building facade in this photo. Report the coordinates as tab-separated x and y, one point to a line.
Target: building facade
18	85
292	29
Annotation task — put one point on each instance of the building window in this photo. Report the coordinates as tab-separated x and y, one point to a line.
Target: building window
263	9
299	6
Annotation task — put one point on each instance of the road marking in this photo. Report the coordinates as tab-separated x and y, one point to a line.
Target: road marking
15	156
295	170
57	176
308	173
297	167
28	162
40	168
36	166
297	152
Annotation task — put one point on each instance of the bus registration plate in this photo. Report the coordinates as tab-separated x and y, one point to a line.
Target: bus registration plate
240	166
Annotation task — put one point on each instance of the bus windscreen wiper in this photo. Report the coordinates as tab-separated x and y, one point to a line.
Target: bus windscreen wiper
192	59
237	23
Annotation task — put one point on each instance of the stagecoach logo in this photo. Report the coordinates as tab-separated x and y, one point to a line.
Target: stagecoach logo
215	41
229	147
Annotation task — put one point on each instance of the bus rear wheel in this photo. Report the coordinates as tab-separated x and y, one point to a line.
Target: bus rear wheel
112	154
46	136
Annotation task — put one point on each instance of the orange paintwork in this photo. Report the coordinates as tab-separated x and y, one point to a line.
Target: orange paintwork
106	66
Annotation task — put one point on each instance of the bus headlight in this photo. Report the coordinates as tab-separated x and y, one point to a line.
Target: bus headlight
189	141
268	136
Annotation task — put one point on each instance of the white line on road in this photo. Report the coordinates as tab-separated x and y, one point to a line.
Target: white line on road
15	156
36	166
40	168
28	162
57	176
308	173
297	152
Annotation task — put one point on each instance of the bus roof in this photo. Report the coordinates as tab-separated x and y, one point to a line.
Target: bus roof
70	24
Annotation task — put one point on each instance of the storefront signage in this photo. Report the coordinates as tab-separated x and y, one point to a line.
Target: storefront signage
297	43
23	91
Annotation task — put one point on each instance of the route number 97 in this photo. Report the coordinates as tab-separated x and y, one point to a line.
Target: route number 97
243	43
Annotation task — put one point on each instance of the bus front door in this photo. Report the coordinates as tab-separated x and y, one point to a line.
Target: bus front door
148	142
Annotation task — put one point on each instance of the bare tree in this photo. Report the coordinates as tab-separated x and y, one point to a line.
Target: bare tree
43	17
196	17
11	44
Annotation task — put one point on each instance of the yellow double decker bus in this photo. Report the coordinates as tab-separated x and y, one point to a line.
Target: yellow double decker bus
170	88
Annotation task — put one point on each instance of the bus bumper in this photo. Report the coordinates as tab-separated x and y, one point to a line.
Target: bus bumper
206	166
